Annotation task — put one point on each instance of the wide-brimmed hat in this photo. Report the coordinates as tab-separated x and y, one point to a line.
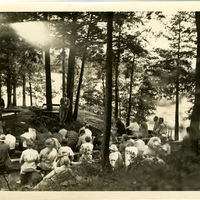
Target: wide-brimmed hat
113	147
2	137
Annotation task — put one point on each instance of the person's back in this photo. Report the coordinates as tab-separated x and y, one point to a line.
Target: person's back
58	136
5	160
120	128
10	140
144	129
72	138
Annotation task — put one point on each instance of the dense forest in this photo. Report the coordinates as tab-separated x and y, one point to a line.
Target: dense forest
116	64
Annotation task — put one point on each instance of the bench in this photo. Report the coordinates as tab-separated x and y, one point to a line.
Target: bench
16	111
44	111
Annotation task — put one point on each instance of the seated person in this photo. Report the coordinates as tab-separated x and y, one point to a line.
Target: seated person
152	149
86	150
28	160
140	144
144	129
81	139
115	158
72	138
57	175
130	153
57	135
48	157
26	136
120	128
42	135
10	141
65	150
166	148
63	132
123	145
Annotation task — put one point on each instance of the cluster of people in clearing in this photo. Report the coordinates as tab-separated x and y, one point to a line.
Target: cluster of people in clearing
52	153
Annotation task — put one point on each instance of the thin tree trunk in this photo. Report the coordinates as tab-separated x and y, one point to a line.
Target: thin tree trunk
177	88
116	79
9	88
0	84
195	118
63	71
130	94
23	90
81	73
108	106
48	73
14	93
71	66
30	91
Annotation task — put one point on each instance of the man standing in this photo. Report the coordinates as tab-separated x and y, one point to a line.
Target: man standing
64	107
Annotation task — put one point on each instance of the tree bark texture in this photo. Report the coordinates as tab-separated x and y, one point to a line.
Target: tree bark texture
108	103
195	118
71	66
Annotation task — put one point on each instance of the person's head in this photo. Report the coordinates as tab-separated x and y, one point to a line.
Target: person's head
2	138
125	138
154	142
130	143
161	120
29	144
49	143
87	139
8	131
113	148
163	139
155	119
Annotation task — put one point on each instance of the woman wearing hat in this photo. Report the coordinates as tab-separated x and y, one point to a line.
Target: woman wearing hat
48	157
28	160
115	157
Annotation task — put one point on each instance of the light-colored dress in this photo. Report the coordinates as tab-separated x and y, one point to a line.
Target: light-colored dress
29	160
130	155
86	151
47	159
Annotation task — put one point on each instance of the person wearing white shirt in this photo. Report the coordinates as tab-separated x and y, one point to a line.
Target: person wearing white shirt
63	132
10	141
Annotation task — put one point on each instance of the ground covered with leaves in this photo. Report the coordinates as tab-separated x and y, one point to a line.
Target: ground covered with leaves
179	173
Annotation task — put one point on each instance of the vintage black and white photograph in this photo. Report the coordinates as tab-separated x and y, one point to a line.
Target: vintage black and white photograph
100	100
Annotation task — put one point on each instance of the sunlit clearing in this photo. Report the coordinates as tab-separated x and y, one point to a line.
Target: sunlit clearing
36	33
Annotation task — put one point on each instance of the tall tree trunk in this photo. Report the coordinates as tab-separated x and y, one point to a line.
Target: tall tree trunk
177	88
0	84
63	70
130	94
30	91
195	118
81	73
48	72
71	66
14	93
116	79
108	106
9	88
23	90
103	85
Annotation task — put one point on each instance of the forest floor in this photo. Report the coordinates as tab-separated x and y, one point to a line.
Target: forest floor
179	173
